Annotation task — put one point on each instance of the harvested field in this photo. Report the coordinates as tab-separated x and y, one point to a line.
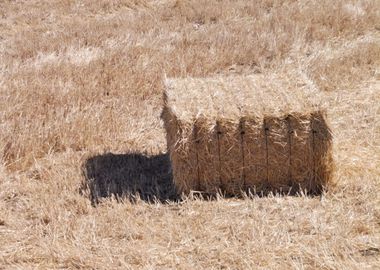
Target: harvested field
253	133
85	177
343	65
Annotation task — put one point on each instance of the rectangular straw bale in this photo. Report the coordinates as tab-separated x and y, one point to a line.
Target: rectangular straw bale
322	154
207	157
262	132
301	150
255	154
181	146
231	156
277	138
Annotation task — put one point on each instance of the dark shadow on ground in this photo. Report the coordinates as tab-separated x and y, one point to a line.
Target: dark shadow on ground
135	175
128	176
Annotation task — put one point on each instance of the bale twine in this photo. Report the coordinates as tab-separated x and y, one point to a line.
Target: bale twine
256	133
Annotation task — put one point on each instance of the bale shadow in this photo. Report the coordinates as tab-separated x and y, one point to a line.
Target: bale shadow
130	176
149	178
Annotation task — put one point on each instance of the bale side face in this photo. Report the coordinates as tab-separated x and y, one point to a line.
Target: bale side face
301	150
277	154
278	149
207	156
255	154
231	156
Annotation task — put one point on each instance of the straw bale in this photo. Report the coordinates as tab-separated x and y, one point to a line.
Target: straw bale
255	154
276	131
257	132
231	155
301	150
207	157
322	154
180	141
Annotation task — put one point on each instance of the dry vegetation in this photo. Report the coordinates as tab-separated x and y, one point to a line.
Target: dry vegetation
80	79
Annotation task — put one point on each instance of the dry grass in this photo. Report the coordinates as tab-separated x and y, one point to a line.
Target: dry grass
83	78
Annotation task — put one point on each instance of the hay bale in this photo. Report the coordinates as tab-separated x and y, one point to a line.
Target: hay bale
301	149
207	156
238	133
255	154
230	156
278	154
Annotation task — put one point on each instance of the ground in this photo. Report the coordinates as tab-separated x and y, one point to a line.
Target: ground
83	149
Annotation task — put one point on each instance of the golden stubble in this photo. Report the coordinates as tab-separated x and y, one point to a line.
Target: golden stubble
82	79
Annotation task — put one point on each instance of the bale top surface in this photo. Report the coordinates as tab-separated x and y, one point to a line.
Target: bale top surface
235	96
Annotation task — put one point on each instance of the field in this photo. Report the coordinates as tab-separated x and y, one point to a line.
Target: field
85	179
